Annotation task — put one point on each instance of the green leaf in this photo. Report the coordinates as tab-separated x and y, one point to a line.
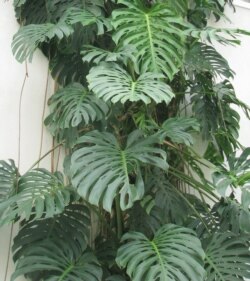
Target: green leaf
227	257
19	3
156	33
111	82
59	261
85	17
39	193
28	38
175	253
102	169
202	57
9	176
224	36
73	105
115	278
68	68
236	175
179	129
71	225
96	55
179	7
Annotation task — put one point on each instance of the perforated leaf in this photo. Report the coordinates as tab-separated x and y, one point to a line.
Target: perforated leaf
175	253
72	225
155	33
179	129
59	261
103	169
96	55
28	38
227	257
72	106
39	193
202	57
8	179
111	82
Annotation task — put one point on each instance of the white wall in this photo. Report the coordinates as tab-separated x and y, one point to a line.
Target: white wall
11	79
239	60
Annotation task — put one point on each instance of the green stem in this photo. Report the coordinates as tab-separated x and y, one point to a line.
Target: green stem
195	184
45	155
193	208
118	217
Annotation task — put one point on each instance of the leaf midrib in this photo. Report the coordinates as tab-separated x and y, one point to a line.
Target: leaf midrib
159	257
66	272
152	48
214	267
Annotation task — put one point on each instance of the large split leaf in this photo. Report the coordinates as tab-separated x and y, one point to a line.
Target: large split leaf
72	106
202	57
237	175
8	179
103	169
85	17
156	34
179	129
59	261
72	225
111	82
227	257
28	38
175	253
39	192
96	55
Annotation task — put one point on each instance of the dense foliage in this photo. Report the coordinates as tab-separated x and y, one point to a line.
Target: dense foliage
138	83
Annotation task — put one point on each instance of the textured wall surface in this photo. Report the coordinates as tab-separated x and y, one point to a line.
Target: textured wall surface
11	79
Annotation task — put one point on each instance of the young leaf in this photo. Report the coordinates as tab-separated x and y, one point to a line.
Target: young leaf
175	253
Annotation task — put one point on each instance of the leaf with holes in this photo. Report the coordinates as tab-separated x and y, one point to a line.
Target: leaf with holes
102	169
85	17
9	176
29	37
227	257
111	82
156	33
202	57
72	224
59	261
175	253
72	106
96	55
39	193
179	129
